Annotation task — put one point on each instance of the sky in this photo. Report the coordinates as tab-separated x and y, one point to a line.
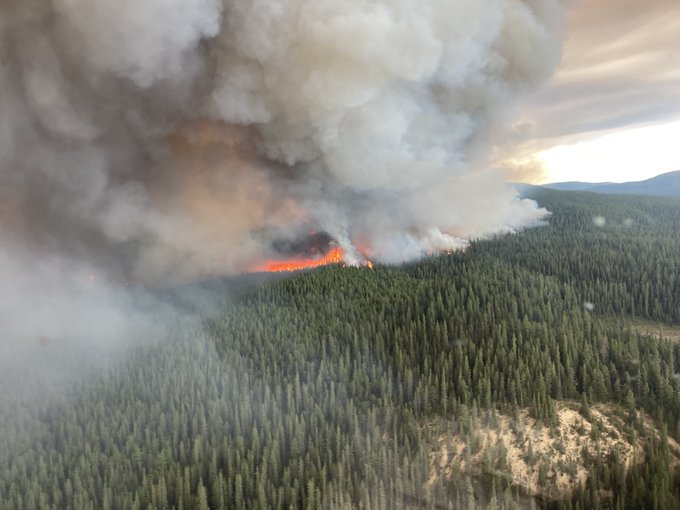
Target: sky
611	112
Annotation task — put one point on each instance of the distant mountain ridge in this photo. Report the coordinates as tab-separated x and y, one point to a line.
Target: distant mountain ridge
664	185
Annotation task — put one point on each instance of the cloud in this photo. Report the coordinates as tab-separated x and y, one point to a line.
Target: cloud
619	69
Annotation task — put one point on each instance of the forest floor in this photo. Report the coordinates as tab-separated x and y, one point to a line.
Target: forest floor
544	461
657	329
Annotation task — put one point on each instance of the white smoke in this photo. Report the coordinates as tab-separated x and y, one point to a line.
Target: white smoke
167	139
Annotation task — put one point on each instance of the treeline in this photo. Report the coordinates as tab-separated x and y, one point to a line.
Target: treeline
312	392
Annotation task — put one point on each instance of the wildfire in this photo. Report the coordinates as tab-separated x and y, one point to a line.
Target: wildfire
334	256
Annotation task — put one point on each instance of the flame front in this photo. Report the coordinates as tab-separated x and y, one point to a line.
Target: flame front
334	256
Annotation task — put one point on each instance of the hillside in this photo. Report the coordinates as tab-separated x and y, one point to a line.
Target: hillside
543	461
664	185
333	388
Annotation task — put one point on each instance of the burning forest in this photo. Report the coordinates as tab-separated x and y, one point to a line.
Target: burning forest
154	141
315	249
158	156
334	256
153	144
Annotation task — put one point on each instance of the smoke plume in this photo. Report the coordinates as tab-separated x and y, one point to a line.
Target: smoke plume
169	140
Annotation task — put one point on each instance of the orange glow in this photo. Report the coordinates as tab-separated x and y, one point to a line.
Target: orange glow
334	256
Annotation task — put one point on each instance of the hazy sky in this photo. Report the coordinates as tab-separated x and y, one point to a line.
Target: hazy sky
612	110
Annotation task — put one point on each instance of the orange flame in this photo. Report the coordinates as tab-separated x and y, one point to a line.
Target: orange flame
334	256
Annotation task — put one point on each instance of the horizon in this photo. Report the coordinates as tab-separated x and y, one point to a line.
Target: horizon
608	182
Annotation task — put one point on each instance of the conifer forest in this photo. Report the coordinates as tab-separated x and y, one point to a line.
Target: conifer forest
330	388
